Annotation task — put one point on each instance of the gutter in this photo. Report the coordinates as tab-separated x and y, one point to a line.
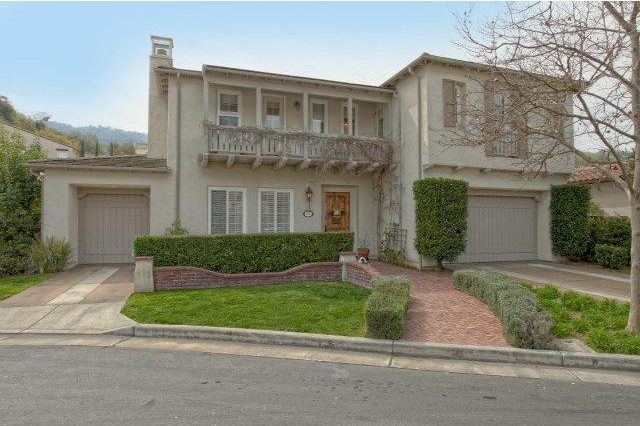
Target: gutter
38	167
420	171
177	212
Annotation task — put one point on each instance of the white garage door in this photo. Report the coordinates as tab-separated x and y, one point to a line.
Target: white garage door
500	229
108	224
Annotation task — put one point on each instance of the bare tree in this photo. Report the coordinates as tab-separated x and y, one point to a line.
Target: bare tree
552	71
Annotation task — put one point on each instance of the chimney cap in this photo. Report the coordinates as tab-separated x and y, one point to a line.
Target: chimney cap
161	46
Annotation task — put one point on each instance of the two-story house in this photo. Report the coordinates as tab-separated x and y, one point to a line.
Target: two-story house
241	151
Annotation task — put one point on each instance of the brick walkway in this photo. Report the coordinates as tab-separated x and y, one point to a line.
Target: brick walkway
440	313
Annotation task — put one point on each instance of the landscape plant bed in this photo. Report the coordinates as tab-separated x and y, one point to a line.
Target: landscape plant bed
17	283
599	323
310	307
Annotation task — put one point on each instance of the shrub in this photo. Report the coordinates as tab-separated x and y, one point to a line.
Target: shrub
176	229
525	322
611	231
244	252
441	218
612	257
387	306
569	207
50	255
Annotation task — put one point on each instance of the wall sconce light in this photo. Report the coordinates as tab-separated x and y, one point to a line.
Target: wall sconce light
308	194
296	104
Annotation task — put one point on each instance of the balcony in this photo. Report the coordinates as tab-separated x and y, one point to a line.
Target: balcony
279	148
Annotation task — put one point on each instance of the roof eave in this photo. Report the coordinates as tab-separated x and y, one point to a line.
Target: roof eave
40	167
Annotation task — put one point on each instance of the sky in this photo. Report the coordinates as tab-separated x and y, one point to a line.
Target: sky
87	63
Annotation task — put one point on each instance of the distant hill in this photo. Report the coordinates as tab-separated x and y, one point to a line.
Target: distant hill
106	135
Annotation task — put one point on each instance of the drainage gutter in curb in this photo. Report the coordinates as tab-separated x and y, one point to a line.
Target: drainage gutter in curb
404	348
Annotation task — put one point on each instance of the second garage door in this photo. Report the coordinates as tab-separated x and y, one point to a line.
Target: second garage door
500	229
108	224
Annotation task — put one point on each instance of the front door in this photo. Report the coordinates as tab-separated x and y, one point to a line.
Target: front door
337	215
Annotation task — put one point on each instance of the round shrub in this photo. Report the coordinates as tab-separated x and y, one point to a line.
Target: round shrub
570	220
441	218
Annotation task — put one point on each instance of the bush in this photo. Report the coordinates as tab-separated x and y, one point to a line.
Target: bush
50	255
176	229
387	307
610	231
570	220
244	252
612	257
525	322
441	218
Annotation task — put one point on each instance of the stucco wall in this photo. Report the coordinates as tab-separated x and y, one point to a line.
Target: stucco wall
49	146
611	199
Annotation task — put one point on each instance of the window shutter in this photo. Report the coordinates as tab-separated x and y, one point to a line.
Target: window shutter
218	212
235	219
283	211
448	89
489	122
267	211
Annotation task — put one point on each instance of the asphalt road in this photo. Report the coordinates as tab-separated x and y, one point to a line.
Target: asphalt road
89	386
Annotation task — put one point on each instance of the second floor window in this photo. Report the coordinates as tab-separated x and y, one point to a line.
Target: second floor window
62	153
319	117
453	92
345	120
501	127
273	113
229	109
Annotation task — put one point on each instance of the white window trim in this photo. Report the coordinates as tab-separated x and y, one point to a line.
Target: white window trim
379	115
291	207
59	151
357	120
230	92
283	105
244	206
326	114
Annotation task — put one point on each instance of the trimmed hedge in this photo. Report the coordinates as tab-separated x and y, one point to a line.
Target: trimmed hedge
441	218
387	306
610	231
525	322
570	220
611	256
244	252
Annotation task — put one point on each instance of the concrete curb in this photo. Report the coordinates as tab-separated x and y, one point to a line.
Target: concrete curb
390	347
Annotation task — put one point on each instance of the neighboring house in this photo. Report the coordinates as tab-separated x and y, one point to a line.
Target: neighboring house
52	148
240	151
141	148
609	197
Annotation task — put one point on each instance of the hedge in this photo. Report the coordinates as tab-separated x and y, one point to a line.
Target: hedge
570	220
610	231
441	218
387	306
244	252
525	322
611	256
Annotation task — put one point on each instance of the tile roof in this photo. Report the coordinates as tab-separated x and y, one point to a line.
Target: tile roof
124	162
591	174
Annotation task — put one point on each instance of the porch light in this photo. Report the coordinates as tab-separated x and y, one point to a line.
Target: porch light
308	193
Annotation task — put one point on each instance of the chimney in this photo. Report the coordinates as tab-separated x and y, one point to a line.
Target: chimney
161	56
162	47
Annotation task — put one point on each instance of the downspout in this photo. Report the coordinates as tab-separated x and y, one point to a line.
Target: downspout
396	95
419	81
177	213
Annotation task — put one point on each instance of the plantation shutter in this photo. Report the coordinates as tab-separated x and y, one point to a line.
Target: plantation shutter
449	93
283	211
218	212
227	211
275	211
235	215
267	211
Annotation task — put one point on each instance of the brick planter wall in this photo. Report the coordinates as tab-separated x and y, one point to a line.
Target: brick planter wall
187	277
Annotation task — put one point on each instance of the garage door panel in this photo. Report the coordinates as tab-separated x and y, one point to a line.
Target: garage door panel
108	224
500	229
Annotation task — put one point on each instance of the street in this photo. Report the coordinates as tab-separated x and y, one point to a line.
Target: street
114	385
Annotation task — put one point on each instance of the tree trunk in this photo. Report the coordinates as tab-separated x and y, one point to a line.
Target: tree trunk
634	312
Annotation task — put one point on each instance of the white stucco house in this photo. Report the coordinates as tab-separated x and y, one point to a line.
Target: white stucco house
612	200
53	149
241	151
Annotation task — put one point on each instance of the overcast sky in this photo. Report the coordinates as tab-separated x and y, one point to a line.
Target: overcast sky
88	63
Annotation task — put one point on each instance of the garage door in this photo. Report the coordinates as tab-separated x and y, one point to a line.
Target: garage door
500	229
108	223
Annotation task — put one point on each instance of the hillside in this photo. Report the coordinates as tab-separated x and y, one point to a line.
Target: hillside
106	135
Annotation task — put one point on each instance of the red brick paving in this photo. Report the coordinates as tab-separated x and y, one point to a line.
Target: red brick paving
440	313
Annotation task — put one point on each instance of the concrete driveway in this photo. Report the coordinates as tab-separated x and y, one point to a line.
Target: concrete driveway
582	278
85	299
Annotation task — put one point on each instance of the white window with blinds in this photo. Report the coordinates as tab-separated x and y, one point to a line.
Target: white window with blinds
229	108
275	210
227	210
319	116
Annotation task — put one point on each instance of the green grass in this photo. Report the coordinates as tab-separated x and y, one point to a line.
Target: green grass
325	308
17	283
600	323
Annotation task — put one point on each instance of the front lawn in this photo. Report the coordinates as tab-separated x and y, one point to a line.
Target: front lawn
325	308
599	323
17	283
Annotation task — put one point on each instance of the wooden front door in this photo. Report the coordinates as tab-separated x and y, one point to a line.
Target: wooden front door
336	211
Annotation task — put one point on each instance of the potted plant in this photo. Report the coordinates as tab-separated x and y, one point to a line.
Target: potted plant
363	246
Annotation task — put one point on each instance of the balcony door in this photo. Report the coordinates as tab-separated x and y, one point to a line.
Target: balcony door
337	214
273	112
